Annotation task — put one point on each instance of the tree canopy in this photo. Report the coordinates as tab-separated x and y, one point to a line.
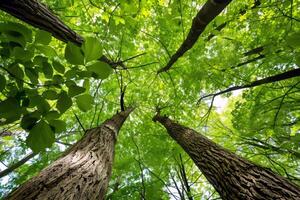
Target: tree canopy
233	76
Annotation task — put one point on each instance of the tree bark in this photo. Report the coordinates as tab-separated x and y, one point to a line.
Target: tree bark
83	172
233	177
38	15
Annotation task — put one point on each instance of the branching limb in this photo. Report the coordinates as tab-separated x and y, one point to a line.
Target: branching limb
208	12
272	79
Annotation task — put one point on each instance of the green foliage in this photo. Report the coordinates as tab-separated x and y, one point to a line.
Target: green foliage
92	49
102	70
40	136
84	102
74	54
43	79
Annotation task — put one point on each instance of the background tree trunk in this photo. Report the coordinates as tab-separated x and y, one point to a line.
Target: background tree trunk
83	172
233	177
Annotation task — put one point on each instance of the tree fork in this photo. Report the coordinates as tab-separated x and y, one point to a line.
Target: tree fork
233	177
83	172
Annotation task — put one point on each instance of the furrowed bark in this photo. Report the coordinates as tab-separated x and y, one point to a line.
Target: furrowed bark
233	177
208	12
272	79
83	172
38	15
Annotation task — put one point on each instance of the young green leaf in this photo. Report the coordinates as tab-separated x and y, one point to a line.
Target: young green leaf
53	114
28	121
58	125
58	67
64	102
50	94
85	102
74	54
10	109
40	137
47	70
75	90
101	69
43	37
46	50
92	49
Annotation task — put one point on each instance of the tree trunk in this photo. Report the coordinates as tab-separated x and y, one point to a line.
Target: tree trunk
232	176
83	172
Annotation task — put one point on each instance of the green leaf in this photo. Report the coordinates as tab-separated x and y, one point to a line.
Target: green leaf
28	121
58	67
92	49
58	125
84	102
43	37
71	73
58	79
46	50
47	70
32	74
16	70
15	32
86	84
101	69
2	82
53	114
75	90
294	40
50	94
38	101
22	54
64	102
40	137
10	110
73	54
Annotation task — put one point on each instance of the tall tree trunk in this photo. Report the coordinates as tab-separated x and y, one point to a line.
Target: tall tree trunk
232	176
83	172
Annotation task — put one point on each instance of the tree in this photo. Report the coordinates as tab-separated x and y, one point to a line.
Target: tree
67	66
83	171
232	176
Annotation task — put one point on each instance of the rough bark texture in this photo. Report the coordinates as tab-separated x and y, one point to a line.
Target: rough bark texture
233	177
83	172
38	15
208	12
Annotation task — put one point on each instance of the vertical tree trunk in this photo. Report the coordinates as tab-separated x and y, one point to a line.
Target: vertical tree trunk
232	176
83	172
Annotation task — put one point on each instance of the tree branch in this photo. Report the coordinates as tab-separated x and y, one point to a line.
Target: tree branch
207	13
272	79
